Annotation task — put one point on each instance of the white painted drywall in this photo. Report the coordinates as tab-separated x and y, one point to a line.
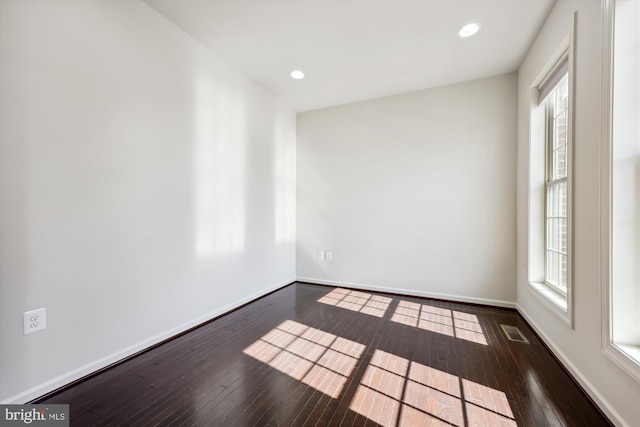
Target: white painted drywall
145	187
412	193
579	348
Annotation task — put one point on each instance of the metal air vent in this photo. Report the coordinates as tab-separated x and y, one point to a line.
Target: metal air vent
514	334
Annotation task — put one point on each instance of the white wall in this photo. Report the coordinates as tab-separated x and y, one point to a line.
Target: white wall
145	187
412	193
579	348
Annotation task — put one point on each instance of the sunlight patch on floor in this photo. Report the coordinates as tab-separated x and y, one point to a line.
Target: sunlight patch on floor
319	359
440	320
395	391
362	302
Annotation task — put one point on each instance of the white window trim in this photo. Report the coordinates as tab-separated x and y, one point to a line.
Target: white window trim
626	357
556	302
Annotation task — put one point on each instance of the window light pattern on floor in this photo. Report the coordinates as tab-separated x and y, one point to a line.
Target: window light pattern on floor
361	302
319	359
397	392
443	321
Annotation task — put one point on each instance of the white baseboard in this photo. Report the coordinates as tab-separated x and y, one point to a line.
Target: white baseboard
586	385
69	377
411	292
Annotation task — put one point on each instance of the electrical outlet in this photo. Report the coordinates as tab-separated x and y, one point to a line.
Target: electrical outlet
34	321
328	255
321	254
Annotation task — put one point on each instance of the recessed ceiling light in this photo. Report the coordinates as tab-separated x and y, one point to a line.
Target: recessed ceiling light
469	30
297	74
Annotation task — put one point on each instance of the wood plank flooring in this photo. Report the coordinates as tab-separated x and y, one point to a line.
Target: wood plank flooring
310	355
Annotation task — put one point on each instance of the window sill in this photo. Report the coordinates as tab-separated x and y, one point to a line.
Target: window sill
552	299
626	356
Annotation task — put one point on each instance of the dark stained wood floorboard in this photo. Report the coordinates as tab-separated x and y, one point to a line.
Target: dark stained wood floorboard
520	397
366	331
286	400
260	405
502	355
204	378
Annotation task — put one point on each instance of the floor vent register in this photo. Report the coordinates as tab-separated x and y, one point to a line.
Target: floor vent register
514	334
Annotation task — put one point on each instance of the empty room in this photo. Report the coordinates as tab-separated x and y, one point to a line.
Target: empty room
320	212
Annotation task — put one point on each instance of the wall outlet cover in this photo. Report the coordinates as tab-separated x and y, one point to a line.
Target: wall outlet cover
34	321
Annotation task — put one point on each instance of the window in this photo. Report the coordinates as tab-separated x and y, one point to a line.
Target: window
550	181
557	106
620	186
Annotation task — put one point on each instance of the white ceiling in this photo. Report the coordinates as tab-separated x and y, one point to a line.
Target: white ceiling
352	50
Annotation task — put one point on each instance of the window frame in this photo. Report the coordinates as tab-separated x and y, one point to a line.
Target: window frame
558	302
625	356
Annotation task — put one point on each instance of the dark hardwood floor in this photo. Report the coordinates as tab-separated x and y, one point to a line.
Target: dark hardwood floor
315	355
